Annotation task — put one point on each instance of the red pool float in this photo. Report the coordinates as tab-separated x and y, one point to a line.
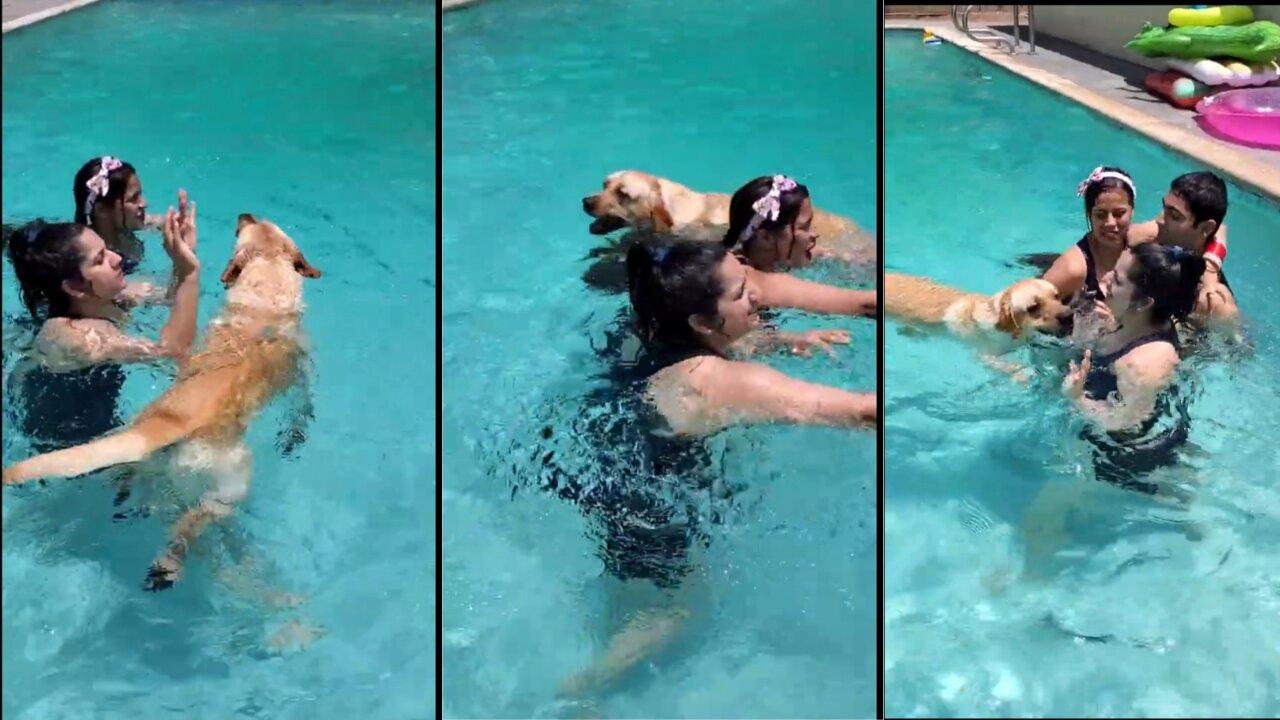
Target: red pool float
1248	116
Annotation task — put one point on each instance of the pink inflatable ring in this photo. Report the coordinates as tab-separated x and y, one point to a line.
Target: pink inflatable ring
1248	116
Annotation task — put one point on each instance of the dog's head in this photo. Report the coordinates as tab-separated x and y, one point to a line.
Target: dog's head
263	239
1032	305
629	198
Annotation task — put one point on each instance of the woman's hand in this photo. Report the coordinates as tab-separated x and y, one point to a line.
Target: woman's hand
175	230
1103	316
187	219
803	343
1073	383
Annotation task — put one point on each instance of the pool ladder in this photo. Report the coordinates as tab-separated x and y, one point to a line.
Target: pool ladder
960	18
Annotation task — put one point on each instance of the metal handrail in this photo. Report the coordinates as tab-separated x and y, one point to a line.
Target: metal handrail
960	19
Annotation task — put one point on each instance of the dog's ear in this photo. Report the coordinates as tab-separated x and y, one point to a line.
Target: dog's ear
1005	321
234	266
244	220
661	219
304	268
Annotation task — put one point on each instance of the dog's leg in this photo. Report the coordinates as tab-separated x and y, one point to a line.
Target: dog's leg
1018	373
298	418
232	474
125	482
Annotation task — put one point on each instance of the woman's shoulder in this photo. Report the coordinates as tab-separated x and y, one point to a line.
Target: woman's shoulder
66	342
1154	359
693	371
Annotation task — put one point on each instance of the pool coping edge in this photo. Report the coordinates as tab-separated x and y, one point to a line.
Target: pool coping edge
1244	170
35	17
447	5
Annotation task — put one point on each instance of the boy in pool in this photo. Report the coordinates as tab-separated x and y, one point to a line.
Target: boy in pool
1192	218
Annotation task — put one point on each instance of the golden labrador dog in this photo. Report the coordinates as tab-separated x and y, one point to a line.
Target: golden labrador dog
634	199
251	352
1026	307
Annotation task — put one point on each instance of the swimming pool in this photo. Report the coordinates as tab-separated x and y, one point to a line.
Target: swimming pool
320	118
541	101
980	167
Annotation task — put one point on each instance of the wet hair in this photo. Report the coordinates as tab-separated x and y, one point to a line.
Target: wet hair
669	283
117	183
1204	193
1170	277
1098	187
741	212
44	255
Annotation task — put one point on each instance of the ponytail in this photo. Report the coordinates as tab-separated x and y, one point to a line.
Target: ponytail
669	283
44	255
1170	277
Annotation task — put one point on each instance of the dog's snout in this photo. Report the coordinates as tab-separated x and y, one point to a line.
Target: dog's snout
588	203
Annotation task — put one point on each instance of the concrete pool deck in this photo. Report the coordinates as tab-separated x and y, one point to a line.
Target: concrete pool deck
1113	88
21	13
446	5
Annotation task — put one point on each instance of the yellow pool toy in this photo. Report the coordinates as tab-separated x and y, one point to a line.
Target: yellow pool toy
1211	16
931	39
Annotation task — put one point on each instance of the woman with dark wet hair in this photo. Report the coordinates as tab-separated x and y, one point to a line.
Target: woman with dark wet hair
71	284
635	459
1126	384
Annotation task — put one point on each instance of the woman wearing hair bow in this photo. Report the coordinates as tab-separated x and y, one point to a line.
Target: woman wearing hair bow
1109	196
108	198
771	227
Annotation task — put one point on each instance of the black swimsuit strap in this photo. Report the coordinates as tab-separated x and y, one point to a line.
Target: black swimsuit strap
1090	265
1168	334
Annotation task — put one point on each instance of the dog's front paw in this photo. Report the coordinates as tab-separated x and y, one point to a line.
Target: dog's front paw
162	574
290	439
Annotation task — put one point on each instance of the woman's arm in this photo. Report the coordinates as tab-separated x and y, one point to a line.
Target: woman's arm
72	345
762	342
707	394
1216	305
1068	273
786	291
180	243
67	345
1140	376
142	292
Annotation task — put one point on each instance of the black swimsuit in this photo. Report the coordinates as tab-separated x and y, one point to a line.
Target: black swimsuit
1122	457
645	489
62	409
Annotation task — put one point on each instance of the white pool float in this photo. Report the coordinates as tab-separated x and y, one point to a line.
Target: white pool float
1232	73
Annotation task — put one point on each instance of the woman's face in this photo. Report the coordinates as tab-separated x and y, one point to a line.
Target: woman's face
1117	289
1110	217
787	247
737	304
133	206
100	273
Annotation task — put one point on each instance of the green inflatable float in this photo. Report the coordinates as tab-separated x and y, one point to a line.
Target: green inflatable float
1257	42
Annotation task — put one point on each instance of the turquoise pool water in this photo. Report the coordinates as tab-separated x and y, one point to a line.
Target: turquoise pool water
319	117
541	101
1191	625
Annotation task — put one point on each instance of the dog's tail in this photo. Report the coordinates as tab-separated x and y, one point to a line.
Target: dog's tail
132	444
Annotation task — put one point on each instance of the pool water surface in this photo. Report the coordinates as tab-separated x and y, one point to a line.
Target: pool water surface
541	101
318	117
1139	615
